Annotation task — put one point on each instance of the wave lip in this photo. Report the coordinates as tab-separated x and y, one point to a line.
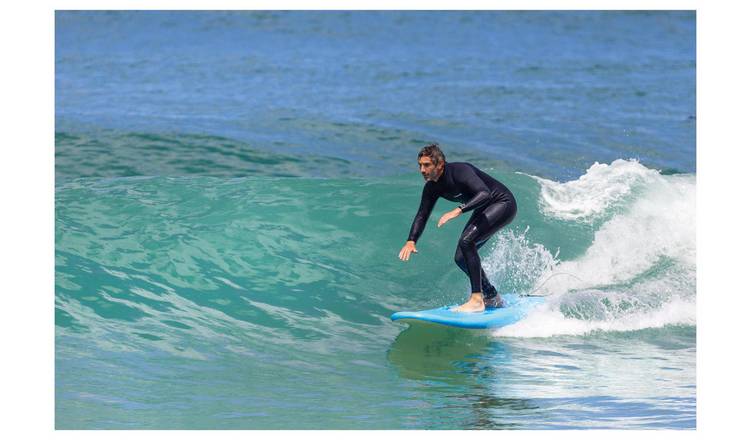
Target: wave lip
600	188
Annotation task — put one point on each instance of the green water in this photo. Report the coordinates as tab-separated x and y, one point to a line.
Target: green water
203	302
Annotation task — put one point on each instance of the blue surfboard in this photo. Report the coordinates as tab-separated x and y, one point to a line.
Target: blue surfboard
516	308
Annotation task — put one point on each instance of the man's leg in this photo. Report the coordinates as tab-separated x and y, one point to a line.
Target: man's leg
488	289
480	227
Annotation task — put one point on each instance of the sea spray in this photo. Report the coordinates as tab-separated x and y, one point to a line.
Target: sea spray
514	263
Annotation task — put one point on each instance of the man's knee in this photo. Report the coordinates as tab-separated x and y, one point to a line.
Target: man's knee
468	238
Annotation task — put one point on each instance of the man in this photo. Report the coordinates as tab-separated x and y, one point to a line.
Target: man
494	207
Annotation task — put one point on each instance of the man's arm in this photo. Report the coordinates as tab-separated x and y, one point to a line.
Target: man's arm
429	198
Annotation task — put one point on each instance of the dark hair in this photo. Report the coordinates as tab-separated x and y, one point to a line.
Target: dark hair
433	152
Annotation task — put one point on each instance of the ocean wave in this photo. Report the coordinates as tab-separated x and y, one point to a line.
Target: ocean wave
109	153
274	253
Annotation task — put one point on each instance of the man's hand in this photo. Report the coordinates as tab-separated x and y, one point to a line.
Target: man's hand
449	216
408	248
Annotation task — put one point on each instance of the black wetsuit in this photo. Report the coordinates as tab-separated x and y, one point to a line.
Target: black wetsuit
494	207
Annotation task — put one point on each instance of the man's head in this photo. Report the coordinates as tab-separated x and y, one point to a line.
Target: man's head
431	162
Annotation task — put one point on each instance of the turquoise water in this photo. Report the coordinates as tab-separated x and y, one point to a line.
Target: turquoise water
232	191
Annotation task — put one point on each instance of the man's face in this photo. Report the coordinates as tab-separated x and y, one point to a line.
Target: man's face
429	170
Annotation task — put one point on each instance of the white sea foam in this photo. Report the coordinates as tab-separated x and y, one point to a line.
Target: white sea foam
639	271
549	320
594	193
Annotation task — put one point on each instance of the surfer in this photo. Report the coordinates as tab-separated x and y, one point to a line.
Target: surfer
493	207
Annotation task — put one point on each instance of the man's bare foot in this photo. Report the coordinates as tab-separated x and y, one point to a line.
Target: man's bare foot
475	304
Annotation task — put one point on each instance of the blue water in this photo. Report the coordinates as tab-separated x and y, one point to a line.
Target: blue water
232	190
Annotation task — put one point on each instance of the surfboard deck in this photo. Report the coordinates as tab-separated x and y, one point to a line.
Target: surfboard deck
516	308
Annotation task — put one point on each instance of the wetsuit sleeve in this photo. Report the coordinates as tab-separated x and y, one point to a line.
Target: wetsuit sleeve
473	184
429	197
